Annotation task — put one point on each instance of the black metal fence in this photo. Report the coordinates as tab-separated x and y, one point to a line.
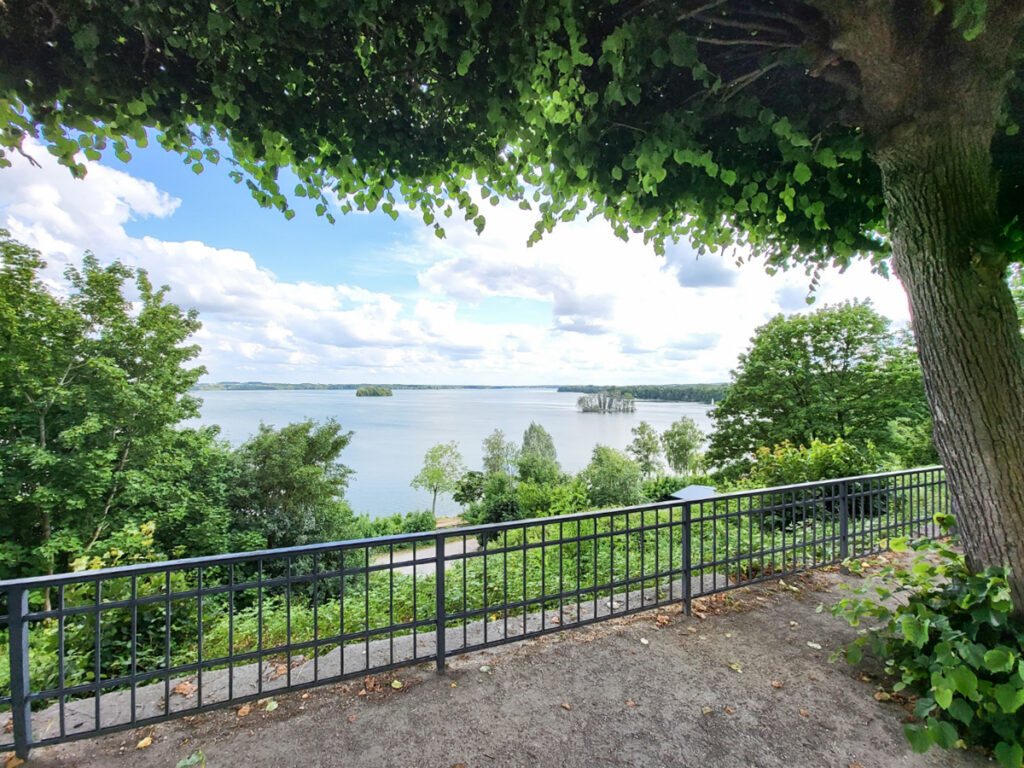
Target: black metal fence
99	651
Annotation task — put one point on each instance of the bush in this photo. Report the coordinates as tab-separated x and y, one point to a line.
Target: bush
787	464
946	634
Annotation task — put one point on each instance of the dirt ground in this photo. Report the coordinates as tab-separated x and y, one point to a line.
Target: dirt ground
745	682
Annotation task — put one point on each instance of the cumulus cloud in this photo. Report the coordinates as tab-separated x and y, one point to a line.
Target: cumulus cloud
615	312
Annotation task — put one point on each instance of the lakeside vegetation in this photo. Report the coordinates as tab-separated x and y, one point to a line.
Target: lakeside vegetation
708	394
374	392
604	401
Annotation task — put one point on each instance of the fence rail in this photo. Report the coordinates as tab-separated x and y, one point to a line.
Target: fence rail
123	647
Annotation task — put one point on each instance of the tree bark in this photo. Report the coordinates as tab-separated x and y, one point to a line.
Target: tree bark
940	191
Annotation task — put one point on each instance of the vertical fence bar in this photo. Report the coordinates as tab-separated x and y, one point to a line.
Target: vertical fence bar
439	599
21	707
844	523
687	563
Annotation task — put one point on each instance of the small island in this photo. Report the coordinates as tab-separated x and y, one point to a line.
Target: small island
606	402
373	392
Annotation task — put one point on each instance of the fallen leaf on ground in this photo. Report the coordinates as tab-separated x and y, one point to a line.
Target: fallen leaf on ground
706	710
865	678
351	718
662	620
305	695
793	624
804	713
815	646
882	696
735	667
278	671
455	685
485	668
13	761
729	710
396	684
630	703
271	706
776	684
566	706
728	634
143	743
362	692
244	710
185	689
692	630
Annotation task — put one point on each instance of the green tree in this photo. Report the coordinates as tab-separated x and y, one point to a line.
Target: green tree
290	488
611	479
838	372
538	460
645	448
469	488
500	455
681	443
442	468
91	385
812	132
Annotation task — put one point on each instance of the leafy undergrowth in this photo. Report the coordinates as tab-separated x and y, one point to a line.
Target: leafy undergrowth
946	636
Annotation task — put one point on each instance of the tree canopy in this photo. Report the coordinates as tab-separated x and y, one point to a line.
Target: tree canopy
838	372
811	131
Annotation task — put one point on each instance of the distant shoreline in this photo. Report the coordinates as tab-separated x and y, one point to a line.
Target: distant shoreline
708	394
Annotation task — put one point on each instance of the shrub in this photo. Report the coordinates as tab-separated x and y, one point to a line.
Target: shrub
946	634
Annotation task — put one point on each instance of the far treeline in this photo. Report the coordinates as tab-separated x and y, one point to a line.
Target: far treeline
683	393
270	385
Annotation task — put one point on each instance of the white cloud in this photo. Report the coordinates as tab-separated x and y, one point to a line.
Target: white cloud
615	312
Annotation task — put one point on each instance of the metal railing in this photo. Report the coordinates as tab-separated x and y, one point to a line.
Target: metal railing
128	646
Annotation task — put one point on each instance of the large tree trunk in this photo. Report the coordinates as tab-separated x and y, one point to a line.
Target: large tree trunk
940	193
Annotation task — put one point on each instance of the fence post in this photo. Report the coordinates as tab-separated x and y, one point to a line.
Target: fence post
687	574
439	568
844	524
21	707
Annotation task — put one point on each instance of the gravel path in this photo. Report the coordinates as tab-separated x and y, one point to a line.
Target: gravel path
742	683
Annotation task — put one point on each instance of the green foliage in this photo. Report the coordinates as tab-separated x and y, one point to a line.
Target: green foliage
684	393
498	504
290	487
366	527
538	460
442	467
500	455
469	488
606	401
645	448
611	479
682	442
661	487
373	392
787	464
91	386
838	372
946	635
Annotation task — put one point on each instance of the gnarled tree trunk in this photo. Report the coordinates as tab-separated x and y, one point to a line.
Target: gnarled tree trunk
941	194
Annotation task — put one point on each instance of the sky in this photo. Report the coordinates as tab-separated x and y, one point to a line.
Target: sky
373	300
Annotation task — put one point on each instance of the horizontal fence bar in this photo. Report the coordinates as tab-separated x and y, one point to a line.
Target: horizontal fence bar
144	643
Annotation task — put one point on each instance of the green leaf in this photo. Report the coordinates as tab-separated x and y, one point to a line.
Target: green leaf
965	681
943	733
1009	696
920	738
914	631
1009	755
961	710
998	660
943	696
801	174
728	177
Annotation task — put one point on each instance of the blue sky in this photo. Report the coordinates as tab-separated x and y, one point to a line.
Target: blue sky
369	299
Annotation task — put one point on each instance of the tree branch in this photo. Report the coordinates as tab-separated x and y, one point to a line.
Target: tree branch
746	41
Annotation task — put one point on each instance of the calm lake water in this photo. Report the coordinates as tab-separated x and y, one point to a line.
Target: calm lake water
393	433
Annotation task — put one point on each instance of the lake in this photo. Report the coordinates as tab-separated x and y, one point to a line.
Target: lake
392	434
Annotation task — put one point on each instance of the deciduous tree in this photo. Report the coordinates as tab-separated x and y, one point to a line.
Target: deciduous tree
442	468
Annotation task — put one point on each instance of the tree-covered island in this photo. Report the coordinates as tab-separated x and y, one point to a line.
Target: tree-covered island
373	392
